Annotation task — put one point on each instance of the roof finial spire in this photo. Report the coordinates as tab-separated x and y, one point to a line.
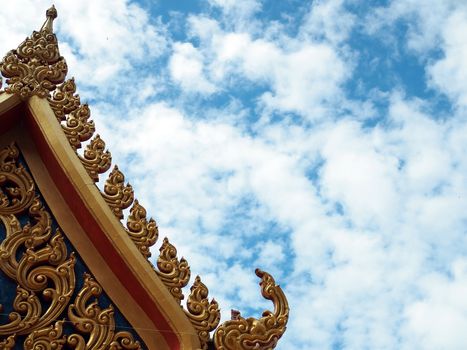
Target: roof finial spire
51	14
35	67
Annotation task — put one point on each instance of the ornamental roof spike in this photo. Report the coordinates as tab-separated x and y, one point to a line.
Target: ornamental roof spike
51	14
35	67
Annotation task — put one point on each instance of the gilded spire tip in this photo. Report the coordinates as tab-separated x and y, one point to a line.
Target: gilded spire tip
51	14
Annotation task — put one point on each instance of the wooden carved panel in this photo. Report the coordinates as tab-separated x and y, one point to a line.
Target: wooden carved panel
48	298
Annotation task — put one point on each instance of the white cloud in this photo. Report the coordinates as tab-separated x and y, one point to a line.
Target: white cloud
186	68
300	77
438	320
238	14
434	34
363	274
242	8
98	44
359	176
450	72
320	22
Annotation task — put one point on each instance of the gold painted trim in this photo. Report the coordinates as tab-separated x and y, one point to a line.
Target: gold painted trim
8	101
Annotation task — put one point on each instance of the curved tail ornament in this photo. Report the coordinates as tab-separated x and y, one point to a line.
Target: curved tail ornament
251	333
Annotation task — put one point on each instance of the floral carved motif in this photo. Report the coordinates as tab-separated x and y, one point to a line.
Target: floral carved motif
16	185
35	257
45	271
46	338
76	125
8	343
142	232
64	99
35	67
96	323
117	195
174	273
95	326
96	160
250	333
204	315
78	128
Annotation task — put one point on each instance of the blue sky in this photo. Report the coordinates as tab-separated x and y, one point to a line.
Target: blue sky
323	141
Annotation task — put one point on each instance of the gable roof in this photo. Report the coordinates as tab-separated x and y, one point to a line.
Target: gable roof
41	112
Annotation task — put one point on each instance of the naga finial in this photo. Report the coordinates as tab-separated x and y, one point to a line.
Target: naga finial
51	14
250	333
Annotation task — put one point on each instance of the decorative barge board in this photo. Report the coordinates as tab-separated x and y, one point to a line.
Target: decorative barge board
72	276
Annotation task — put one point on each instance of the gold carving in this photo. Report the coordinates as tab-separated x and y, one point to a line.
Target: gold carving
78	128
99	324
96	159
16	186
95	326
44	268
66	106
117	195
48	338
37	259
142	232
204	315
35	67
30	236
174	273
8	343
90	319
47	271
264	333
64	100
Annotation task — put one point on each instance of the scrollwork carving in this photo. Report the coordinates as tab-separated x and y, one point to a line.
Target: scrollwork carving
117	195
78	128
35	67
30	255
264	333
64	100
96	160
30	236
204	315
174	274
95	326
142	232
36	258
47	271
8	343
97	323
16	185
47	338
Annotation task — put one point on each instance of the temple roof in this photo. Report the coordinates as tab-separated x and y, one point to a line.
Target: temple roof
76	158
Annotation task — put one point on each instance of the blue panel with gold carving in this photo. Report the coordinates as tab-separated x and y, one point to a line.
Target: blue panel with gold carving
48	297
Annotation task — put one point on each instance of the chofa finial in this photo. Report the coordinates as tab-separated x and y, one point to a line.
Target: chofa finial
51	14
